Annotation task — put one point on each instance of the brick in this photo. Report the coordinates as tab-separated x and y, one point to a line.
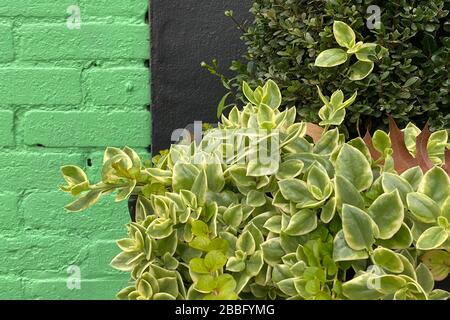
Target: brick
33	8
91	41
114	8
6	128
40	251
45	211
118	86
87	129
11	288
6	43
22	170
33	86
9	216
99	257
58	8
56	288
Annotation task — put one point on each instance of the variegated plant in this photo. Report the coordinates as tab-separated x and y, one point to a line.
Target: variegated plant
366	53
322	219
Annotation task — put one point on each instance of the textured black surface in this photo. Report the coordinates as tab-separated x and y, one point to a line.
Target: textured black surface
185	33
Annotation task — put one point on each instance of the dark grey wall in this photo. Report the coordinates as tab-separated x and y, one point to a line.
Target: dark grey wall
185	33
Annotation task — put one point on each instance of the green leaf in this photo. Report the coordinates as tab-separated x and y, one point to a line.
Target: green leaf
344	34
425	278
387	259
218	244
365	51
123	294
327	143
358	228
388	284
295	190
422	207
381	141
387	211
235	264
206	283
124	193
337	98
313	286
439	294
201	243
226	283
435	184
408	267
200	187
289	169
258	168
438	261
85	201
432	238
272	95
346	193
330	118
324	99
246	243
273	224
342	251
160	228
318	177
272	251
73	175
248	93
359	288
287	286
360	70
214	175
199	228
256	233
168	285
413	176
221	106
348	102
328	211
127	245
331	58
233	216
144	289
124	261
189	199
354	166
301	223
255	263
215	260
445	211
258	94
391	182
266	117
401	240
183	176
256	198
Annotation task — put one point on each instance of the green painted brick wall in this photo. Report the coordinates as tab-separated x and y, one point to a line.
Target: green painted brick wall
66	94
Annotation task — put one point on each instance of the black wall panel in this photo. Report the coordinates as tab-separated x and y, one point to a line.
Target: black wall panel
185	33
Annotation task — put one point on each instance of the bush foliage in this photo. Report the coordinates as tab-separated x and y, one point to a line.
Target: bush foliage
411	83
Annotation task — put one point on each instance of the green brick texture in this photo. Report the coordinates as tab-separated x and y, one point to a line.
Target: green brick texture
65	95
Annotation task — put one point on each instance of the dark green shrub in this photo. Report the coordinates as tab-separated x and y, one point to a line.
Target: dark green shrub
411	84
